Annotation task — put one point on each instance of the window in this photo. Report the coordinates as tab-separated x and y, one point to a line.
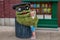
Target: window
43	10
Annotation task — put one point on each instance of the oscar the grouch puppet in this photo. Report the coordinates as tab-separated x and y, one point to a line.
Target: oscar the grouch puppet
23	15
26	16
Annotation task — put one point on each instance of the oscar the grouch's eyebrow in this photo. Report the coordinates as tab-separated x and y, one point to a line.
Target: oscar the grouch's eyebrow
20	5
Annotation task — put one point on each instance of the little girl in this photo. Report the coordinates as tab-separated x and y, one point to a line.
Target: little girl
33	14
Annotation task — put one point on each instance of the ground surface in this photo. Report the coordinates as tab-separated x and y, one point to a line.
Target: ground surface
8	33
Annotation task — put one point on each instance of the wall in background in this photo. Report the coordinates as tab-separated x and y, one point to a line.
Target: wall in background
7	14
6	10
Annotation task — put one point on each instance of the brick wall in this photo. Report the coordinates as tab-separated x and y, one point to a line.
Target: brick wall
6	10
1	8
7	14
12	12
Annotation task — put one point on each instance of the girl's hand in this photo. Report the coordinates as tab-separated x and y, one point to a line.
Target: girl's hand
32	14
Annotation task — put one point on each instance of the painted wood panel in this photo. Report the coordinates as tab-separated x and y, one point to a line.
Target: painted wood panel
59	14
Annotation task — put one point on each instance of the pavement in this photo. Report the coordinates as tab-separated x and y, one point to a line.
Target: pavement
8	33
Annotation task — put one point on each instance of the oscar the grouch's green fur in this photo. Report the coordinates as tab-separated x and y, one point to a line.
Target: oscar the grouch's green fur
26	19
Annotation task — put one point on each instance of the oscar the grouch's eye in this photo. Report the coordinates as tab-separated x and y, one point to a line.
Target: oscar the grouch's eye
27	8
18	9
